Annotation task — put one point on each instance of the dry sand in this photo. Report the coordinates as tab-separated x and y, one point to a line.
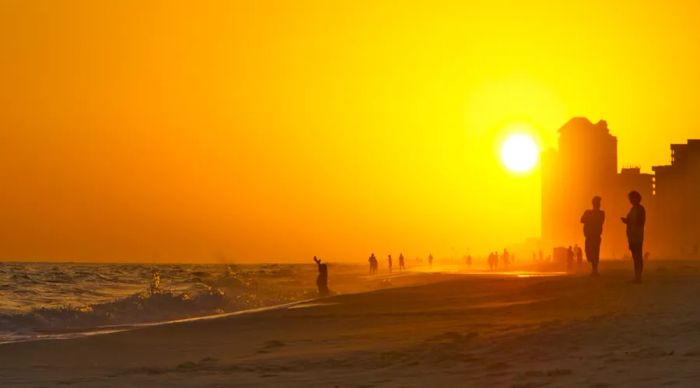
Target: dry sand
449	330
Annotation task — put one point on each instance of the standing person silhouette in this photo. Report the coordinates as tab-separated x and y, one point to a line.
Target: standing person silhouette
569	259
391	264
372	263
635	220
430	259
579	257
322	278
592	220
402	263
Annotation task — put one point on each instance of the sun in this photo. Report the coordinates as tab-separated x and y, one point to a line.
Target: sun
519	153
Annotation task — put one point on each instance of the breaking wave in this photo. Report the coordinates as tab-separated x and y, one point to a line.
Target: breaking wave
73	298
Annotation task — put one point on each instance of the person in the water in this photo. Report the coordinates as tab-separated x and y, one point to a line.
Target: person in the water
322	278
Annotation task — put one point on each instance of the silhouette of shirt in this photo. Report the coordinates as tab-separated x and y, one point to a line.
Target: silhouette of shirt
635	224
592	220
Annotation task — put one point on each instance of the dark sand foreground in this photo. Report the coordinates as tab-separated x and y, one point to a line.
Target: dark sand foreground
451	330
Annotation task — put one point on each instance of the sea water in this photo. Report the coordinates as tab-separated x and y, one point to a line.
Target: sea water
38	300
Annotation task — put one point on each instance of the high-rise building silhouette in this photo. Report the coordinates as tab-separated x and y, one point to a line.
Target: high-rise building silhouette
675	230
585	165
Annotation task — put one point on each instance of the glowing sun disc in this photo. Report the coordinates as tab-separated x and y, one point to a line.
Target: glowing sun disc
519	153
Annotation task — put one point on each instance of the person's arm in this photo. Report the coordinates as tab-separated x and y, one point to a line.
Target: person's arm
642	216
602	217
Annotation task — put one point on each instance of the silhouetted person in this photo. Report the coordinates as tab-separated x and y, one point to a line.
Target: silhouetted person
635	232
592	220
579	257
322	278
391	264
569	259
506	258
402	263
430	259
373	264
469	260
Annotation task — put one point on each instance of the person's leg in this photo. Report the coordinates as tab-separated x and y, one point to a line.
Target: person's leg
592	254
636	250
596	255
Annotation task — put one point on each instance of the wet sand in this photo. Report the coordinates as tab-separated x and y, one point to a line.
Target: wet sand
436	330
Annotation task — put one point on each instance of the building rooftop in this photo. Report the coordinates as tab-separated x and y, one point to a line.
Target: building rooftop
580	123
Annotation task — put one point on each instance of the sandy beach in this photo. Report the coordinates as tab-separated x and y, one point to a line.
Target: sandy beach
430	330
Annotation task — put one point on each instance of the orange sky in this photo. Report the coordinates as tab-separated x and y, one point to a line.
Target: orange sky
271	130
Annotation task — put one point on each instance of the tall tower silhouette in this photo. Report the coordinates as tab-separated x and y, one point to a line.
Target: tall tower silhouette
585	165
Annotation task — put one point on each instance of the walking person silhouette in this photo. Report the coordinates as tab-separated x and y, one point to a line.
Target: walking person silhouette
635	220
592	220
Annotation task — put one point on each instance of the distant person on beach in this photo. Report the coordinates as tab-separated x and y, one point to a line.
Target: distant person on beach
322	278
373	264
635	220
506	258
579	257
430	259
402	262
569	259
390	264
592	220
469	260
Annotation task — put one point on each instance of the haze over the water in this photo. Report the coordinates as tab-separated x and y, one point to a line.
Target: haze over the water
229	131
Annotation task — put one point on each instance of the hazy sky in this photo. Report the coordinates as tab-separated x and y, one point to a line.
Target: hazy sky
279	130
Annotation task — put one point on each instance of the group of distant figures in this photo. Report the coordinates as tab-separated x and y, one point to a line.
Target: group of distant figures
593	219
374	263
505	260
574	254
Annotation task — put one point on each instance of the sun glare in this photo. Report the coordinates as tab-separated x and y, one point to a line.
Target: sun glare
519	153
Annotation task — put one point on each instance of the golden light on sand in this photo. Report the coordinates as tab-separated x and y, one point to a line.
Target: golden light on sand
519	153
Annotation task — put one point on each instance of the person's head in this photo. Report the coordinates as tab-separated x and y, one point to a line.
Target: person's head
596	202
634	197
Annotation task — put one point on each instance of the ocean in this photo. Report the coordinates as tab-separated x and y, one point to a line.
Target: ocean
54	300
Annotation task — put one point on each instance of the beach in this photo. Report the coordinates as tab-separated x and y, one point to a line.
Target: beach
427	329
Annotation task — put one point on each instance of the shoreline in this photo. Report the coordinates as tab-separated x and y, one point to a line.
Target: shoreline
468	330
